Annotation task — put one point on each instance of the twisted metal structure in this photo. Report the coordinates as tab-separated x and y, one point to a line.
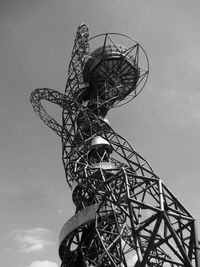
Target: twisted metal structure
125	215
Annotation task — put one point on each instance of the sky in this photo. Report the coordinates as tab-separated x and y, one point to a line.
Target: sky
162	123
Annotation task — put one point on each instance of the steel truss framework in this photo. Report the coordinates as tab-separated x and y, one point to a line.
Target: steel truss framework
125	215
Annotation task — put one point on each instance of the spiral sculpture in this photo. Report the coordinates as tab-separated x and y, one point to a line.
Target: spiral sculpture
125	215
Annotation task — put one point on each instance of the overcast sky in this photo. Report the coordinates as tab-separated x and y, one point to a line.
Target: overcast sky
162	123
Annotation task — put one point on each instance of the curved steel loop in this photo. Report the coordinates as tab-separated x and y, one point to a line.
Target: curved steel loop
54	97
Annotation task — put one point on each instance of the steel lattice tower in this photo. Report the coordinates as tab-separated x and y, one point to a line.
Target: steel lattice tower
125	215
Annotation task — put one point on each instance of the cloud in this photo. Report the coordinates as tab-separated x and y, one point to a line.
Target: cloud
60	211
183	68
31	240
178	105
43	264
175	92
185	104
